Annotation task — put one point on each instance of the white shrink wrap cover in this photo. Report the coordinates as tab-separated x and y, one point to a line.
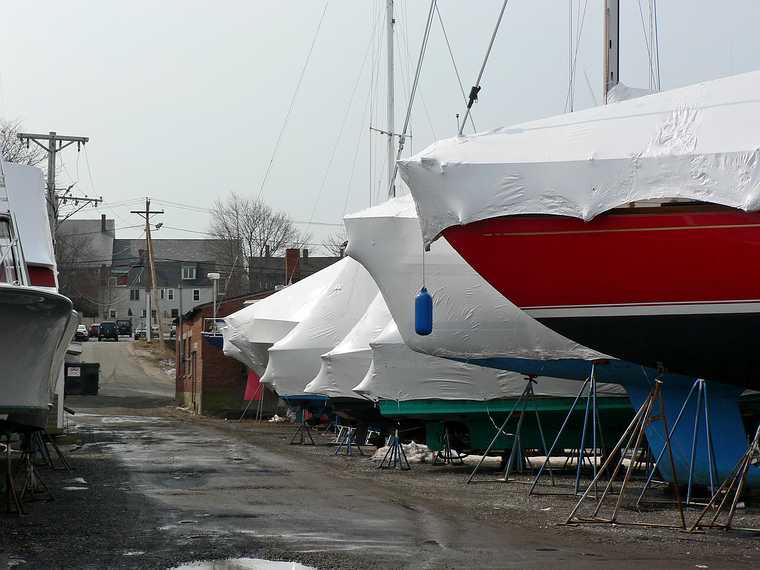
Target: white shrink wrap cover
295	360
27	201
471	319
255	328
400	374
233	351
347	364
700	142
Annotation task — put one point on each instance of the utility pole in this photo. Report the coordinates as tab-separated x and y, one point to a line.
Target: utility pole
145	214
52	143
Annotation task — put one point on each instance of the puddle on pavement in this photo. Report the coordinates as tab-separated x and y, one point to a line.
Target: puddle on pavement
242	564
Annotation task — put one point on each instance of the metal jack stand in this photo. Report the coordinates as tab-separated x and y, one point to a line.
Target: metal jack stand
737	480
12	499
522	403
302	434
591	412
39	445
630	443
33	485
447	456
348	442
702	400
395	457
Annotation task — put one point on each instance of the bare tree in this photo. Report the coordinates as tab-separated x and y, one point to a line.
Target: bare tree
13	150
254	228
335	244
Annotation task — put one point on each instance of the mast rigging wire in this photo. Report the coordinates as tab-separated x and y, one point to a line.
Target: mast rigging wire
423	47
454	64
476	88
292	101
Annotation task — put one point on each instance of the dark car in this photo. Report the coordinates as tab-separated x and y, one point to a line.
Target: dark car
108	329
94	329
124	327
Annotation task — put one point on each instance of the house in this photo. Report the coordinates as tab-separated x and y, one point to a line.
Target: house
84	253
181	281
207	381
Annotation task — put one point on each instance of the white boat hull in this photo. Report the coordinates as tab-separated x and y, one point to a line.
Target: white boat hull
35	329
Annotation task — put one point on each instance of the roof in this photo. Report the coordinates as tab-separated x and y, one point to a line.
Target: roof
167	249
98	244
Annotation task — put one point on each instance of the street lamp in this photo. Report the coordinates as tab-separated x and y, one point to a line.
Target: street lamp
215	278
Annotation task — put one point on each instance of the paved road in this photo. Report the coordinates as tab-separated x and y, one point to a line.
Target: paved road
162	488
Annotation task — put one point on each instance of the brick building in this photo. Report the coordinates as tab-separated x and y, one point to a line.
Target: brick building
207	381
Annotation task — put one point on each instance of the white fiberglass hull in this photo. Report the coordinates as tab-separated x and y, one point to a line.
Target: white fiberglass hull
35	329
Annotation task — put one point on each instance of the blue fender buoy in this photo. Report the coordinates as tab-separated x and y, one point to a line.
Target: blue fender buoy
423	313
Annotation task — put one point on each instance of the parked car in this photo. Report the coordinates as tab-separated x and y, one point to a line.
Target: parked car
124	326
81	333
108	329
173	332
94	329
140	332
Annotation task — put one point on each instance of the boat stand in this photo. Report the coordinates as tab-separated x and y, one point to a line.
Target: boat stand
527	396
302	435
33	487
39	441
348	442
730	492
447	456
591	414
395	457
652	410
699	387
12	500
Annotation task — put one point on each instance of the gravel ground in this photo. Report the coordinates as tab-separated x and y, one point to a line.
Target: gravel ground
154	487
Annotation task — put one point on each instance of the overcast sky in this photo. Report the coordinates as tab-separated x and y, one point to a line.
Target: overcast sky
183	100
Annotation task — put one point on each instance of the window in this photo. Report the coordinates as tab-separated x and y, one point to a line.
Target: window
113	314
175	313
143	314
196	294
153	314
170	294
163	294
188	272
134	294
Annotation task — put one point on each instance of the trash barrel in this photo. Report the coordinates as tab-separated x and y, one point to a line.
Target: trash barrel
81	378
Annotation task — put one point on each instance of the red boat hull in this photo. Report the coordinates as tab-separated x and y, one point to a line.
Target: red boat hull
669	286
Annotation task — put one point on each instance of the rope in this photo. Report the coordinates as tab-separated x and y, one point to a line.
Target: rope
646	44
342	128
579	25
476	88
417	73
454	63
292	101
656	42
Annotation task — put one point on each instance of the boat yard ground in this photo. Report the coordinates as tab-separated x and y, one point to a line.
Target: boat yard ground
154	487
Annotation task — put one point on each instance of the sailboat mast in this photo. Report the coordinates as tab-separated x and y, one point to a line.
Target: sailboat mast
390	126
611	46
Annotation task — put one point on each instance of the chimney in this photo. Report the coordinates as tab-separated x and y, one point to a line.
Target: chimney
103	223
292	262
305	253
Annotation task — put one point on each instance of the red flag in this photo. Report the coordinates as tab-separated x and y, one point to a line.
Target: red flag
254	390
